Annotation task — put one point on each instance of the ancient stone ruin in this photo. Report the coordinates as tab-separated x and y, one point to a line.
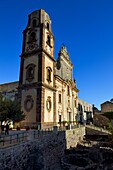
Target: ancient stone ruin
87	155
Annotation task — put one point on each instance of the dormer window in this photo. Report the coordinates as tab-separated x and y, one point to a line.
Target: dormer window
49	72
34	23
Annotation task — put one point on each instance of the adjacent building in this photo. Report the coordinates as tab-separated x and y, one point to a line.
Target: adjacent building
9	90
107	107
85	112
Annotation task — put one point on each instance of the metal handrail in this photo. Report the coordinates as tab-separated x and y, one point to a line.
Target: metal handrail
6	140
13	139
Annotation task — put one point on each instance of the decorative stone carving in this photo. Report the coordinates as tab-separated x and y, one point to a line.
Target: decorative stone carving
28	103
48	104
30	71
32	46
63	50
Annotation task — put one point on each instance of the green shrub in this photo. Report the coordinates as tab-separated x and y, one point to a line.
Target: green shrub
109	126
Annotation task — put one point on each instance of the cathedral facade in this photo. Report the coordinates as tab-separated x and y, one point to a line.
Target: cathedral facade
46	88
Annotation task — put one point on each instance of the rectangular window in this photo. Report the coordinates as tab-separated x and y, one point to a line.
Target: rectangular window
68	92
78	107
59	98
60	118
75	103
69	116
69	103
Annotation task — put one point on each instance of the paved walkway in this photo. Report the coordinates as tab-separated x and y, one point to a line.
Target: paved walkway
98	129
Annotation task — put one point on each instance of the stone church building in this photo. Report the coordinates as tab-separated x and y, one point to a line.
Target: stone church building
46	88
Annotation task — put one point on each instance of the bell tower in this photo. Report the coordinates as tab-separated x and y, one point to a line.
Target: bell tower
37	83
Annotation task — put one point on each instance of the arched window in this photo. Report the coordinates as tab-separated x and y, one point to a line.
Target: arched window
34	23
47	25
30	72
30	69
49	74
49	70
48	40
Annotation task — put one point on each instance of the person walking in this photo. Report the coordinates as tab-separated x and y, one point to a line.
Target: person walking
2	127
7	129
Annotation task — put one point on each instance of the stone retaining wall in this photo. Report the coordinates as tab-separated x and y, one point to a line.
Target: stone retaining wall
73	136
44	153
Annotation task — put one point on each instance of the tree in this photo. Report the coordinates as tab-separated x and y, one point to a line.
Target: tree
11	110
111	100
109	115
100	120
1	97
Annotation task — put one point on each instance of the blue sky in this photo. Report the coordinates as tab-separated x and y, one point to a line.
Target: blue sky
84	26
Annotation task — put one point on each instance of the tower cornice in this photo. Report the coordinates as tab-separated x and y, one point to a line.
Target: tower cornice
28	54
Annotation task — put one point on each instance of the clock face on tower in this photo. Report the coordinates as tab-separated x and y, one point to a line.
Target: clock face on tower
32	46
